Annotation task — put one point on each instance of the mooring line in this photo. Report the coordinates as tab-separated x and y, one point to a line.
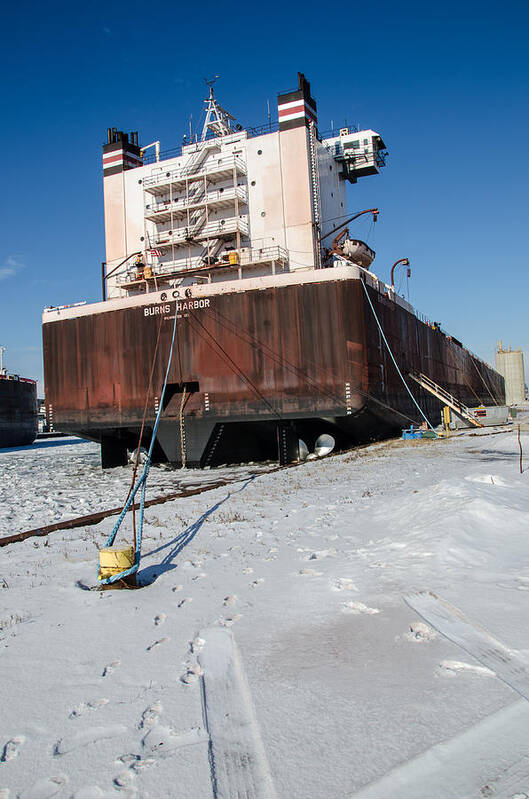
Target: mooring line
98	516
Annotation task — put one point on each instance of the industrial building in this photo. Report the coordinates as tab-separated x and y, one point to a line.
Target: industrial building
509	363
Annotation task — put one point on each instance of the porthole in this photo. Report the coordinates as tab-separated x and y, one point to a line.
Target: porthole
140	181
332	194
330	168
252	183
167	174
142	238
259	152
263	213
221	190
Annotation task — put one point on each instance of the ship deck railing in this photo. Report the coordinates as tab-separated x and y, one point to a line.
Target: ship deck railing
210	230
251	132
164	211
16	378
254	256
385	289
223	166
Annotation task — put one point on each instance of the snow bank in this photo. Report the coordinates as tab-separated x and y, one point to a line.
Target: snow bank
337	682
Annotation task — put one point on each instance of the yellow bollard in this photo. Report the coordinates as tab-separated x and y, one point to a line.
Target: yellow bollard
113	560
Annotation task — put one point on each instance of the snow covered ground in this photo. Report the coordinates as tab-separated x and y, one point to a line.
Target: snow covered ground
271	652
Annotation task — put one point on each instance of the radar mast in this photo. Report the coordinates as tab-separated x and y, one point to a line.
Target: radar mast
218	120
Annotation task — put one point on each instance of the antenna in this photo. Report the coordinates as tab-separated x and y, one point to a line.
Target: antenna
2	350
210	83
218	120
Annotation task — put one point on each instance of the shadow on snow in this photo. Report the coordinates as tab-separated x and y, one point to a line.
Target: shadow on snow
176	545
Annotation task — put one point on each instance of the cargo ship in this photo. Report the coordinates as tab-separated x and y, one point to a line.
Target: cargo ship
283	331
18	409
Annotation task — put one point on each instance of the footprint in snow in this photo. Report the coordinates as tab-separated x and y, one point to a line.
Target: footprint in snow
191	675
12	748
45	788
420	633
230	620
159	619
452	667
85	737
309	573
177	588
257	583
196	645
81	708
125	779
199	576
110	667
150	715
184	601
163	740
135	762
343	584
157	643
247	570
229	600
322	553
357	608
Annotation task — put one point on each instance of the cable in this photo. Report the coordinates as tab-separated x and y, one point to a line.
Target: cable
256	343
393	359
494	399
462	372
236	368
142	481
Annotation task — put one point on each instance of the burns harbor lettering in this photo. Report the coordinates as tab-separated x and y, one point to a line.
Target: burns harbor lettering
182	305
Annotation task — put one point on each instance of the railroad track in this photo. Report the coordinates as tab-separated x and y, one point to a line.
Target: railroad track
98	516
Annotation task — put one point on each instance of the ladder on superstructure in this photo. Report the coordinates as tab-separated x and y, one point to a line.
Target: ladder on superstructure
444	396
315	180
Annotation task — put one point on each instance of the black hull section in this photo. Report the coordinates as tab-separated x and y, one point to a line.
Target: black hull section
18	412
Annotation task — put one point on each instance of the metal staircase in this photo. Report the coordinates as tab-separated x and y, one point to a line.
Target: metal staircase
209	255
198	222
196	159
444	396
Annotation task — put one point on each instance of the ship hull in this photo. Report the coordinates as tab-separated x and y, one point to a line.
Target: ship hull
251	369
18	412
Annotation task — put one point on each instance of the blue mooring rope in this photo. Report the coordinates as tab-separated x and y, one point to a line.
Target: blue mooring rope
393	359
141	482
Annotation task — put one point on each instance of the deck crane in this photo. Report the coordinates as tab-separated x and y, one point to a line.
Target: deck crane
337	248
404	262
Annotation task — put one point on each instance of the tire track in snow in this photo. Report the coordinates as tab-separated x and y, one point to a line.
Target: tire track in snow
473	639
238	762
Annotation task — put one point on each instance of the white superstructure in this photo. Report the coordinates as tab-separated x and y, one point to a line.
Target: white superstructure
234	203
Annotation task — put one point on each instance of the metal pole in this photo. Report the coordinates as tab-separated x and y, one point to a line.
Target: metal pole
400	261
521	453
103	280
373	211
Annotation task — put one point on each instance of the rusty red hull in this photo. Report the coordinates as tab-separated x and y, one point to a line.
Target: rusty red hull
306	357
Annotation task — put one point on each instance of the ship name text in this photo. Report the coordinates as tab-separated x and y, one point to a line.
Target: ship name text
183	305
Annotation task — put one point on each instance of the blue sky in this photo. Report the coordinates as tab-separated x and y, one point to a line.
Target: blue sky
446	86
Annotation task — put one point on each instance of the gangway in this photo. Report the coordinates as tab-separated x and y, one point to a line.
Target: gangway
444	396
